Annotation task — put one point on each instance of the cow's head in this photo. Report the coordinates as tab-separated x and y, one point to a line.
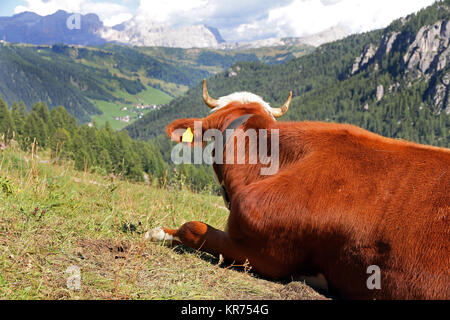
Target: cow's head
226	109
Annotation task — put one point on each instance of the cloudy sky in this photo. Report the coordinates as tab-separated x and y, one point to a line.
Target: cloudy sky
237	20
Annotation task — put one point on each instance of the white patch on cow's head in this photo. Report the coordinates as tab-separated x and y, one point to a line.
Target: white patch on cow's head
242	97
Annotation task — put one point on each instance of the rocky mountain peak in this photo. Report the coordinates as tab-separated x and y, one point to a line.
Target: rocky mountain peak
423	55
140	32
428	56
440	94
372	52
430	50
365	57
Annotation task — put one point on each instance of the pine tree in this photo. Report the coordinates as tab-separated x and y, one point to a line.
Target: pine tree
35	128
6	122
59	142
19	113
104	161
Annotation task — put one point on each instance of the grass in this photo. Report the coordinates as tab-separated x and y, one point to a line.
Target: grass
53	217
110	110
149	95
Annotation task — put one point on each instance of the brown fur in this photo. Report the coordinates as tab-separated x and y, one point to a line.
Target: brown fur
342	200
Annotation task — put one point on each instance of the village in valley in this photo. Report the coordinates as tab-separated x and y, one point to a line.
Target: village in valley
129	108
138	110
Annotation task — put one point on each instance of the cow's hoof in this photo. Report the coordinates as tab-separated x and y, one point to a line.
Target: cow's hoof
159	235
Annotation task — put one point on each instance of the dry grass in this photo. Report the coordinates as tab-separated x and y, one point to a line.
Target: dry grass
52	217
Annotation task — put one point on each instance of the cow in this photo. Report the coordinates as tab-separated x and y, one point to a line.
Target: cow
368	213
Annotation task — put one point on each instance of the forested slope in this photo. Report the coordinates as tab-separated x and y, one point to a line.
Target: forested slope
392	81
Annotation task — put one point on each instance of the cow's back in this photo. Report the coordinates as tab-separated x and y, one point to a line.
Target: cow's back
403	190
388	199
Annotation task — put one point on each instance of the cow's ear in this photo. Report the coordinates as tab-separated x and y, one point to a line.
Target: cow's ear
177	135
187	136
182	130
176	129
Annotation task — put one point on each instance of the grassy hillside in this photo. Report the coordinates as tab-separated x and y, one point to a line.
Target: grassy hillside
53	217
112	110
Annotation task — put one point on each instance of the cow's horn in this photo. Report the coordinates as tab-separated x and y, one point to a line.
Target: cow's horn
210	102
278	112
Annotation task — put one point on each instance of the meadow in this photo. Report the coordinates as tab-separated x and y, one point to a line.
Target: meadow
112	109
53	217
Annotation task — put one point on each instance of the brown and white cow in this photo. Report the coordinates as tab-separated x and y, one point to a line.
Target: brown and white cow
343	199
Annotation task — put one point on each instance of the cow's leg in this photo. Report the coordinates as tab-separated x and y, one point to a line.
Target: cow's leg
162	235
200	236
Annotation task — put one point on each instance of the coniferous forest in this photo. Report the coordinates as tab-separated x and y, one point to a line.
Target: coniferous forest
101	150
96	149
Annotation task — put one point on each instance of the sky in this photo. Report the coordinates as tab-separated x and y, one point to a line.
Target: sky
237	20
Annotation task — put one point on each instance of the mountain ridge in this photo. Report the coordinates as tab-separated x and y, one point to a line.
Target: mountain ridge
50	29
31	28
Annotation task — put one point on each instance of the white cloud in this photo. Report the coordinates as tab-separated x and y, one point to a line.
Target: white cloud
306	17
248	19
257	19
109	13
303	17
42	7
225	15
117	19
170	11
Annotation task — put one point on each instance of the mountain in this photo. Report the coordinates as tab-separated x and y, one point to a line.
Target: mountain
393	81
88	30
329	35
140	31
28	27
332	34
60	27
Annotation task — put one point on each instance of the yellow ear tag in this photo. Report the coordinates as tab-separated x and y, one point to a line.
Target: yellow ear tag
187	136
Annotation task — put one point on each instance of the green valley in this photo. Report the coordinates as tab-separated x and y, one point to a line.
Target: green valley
119	114
95	83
